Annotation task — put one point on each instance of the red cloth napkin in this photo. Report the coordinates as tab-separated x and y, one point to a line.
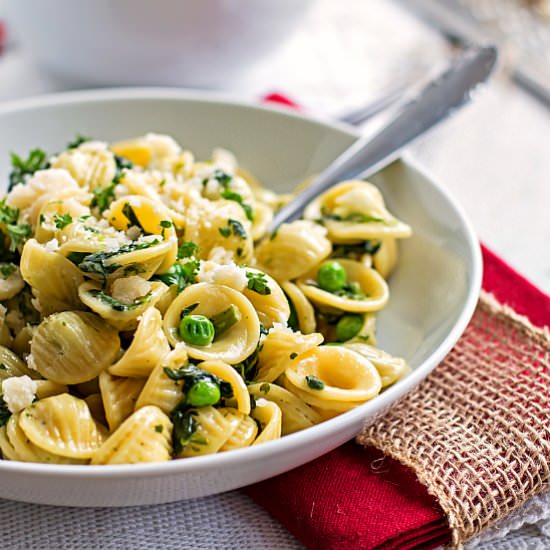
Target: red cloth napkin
356	498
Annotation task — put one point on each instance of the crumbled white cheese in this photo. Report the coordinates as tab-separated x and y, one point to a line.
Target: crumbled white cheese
128	289
212	189
228	275
18	392
221	255
121	190
161	146
52	245
281	327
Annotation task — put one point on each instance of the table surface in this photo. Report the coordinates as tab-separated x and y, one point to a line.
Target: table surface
494	156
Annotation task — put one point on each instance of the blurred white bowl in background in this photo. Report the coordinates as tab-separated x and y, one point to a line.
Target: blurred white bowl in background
201	43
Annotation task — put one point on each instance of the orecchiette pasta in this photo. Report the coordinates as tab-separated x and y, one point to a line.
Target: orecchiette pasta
145	315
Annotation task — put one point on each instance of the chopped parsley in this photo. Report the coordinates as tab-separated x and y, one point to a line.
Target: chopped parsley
181	274
103	196
314	383
235	227
257	282
117	305
265	387
232	196
159	428
78	140
223	178
62	220
18	234
5	413
8	215
6	270
293	355
37	160
187	249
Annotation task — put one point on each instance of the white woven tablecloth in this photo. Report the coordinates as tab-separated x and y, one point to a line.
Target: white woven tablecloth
349	50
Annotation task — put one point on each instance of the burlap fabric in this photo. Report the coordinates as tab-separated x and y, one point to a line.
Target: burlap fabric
477	430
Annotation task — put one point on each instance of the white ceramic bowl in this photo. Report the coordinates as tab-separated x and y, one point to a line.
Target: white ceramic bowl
433	291
202	43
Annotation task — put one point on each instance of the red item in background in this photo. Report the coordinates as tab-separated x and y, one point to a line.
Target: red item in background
356	498
2	36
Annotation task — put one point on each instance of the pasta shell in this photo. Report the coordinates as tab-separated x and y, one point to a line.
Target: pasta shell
389	368
271	308
73	347
160	390
213	430
145	436
344	374
42	269
302	306
385	260
269	415
355	211
148	346
122	315
119	397
62	425
375	290
280	348
243	436
91	165
295	249
296	415
24	450
235	344
208	227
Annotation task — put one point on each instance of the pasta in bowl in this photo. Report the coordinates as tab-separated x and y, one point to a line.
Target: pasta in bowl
435	277
162	323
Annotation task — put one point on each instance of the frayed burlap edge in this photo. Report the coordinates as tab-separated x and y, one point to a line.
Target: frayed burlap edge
477	430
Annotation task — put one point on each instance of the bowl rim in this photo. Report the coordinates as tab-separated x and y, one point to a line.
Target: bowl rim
285	444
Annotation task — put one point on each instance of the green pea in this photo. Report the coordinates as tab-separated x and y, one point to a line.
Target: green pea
197	330
331	276
348	326
203	393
